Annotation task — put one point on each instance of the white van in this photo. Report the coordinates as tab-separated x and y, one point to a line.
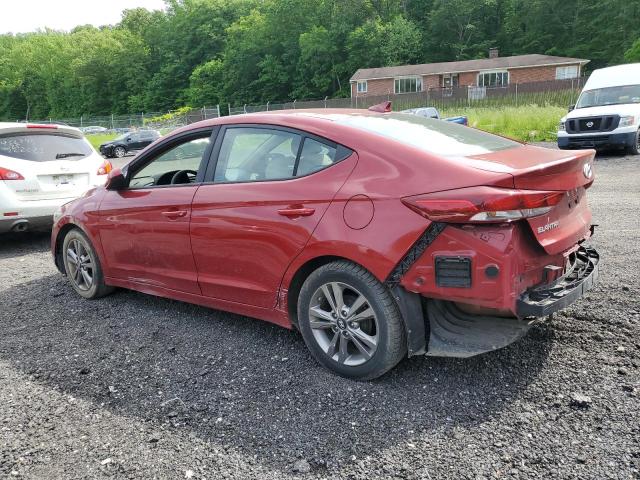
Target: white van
607	114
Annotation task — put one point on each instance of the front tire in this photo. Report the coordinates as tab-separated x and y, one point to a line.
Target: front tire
350	321
635	148
119	152
82	266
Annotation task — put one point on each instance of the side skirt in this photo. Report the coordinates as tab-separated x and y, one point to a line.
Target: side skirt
270	315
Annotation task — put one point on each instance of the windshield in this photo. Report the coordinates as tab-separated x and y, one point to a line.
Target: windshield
38	147
609	96
430	135
121	137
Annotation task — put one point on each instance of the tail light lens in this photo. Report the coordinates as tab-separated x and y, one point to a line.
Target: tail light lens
105	168
6	174
483	204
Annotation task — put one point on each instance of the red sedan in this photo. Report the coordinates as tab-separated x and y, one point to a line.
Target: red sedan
376	235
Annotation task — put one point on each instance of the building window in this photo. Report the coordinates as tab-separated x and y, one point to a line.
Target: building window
362	86
407	85
563	73
450	80
493	79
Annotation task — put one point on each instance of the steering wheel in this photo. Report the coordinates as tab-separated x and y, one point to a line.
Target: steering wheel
182	176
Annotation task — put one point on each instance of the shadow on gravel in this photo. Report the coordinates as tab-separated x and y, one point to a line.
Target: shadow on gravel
243	383
15	244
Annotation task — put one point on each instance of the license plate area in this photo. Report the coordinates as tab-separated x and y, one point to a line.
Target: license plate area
63	181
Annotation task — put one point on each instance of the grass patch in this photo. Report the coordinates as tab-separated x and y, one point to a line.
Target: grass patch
99	138
530	123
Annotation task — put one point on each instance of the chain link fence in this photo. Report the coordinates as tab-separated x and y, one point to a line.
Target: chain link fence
165	121
555	92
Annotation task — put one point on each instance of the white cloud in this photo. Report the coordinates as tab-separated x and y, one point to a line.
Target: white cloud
18	16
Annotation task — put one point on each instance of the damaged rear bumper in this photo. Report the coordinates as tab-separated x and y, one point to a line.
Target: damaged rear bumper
546	299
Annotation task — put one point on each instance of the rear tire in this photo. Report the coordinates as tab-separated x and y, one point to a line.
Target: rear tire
82	266
635	148
350	321
119	152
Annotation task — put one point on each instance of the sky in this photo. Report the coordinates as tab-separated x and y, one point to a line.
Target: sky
20	16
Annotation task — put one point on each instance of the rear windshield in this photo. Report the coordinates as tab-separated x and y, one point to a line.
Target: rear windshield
38	147
609	96
428	134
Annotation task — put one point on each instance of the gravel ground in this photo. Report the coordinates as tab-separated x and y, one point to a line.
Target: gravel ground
133	386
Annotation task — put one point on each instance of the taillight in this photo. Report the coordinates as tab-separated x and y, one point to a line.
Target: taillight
483	204
6	174
105	168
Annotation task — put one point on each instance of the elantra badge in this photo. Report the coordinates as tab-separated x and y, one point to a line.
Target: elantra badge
548	226
587	171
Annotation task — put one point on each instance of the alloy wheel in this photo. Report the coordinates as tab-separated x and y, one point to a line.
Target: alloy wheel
80	265
343	324
120	152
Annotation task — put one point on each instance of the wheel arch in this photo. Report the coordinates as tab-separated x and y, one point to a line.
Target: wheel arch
298	278
57	256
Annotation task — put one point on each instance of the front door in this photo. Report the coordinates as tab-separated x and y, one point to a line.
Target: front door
144	229
270	189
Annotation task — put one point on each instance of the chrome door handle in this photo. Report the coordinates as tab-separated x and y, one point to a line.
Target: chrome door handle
296	212
175	214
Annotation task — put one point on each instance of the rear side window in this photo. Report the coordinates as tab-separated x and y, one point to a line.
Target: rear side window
315	156
38	147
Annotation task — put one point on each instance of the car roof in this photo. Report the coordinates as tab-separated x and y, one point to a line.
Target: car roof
618	75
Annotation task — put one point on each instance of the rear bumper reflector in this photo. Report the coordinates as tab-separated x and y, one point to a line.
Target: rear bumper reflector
544	300
453	272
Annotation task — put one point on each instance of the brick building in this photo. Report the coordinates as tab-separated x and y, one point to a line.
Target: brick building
494	71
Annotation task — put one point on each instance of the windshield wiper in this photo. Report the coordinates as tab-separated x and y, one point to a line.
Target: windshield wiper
67	155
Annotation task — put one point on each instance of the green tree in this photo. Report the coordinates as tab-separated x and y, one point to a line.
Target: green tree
633	54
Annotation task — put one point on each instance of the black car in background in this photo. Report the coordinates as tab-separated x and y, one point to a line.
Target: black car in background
128	142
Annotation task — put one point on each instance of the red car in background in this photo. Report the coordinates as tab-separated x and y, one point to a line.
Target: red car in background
376	235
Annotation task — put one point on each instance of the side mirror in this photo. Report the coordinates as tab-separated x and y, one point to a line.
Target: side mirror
571	107
128	139
116	180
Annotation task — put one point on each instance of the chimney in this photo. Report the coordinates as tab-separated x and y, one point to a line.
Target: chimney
494	53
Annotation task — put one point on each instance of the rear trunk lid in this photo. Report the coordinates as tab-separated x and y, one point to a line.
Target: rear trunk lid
536	168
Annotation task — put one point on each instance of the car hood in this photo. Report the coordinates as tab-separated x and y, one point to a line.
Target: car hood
623	109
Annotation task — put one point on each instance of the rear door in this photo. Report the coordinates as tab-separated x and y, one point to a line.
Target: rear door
264	196
53	164
144	229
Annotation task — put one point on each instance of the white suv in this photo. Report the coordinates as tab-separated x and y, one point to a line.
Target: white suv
42	167
607	114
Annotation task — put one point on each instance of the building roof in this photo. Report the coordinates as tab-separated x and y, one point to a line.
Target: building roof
517	61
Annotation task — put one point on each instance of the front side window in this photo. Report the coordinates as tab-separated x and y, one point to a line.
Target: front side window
493	79
178	165
362	86
39	147
256	154
563	73
407	85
